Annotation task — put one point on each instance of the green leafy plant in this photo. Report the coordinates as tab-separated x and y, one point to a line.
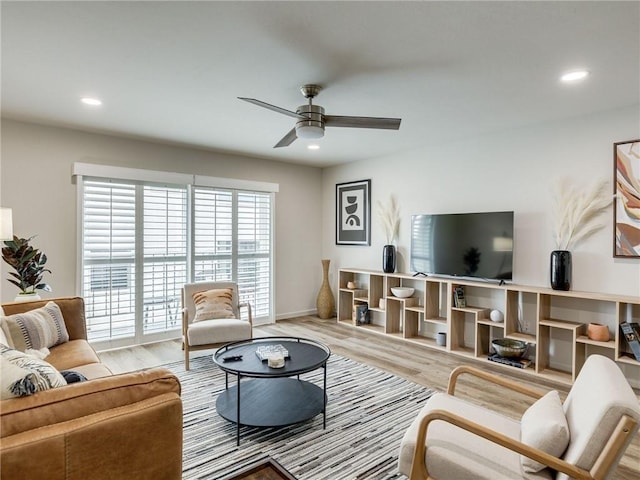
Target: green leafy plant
28	263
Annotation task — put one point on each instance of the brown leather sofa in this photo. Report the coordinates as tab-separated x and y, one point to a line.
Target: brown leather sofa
126	426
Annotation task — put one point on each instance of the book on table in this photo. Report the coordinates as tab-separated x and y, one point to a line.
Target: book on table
265	351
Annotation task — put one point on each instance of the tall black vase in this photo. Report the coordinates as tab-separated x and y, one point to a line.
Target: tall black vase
560	270
389	259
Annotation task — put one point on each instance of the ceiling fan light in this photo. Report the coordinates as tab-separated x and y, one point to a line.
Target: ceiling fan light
309	131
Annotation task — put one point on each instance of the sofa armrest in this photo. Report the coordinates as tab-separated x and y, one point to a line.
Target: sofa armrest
83	399
72	309
142	440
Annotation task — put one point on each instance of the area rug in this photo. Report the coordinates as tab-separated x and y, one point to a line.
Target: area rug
368	412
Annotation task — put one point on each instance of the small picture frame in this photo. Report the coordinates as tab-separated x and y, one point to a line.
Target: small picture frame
458	297
626	189
353	213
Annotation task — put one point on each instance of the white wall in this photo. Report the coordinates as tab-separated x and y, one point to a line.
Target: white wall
36	182
509	170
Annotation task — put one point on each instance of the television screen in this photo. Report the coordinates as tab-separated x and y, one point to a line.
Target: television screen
463	244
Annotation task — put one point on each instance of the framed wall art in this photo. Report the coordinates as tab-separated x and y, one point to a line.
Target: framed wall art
353	213
626	205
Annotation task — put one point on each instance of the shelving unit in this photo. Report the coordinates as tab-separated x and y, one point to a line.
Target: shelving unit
552	322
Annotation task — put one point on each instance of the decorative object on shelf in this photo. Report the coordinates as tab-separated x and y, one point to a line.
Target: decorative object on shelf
28	263
402	292
509	348
576	210
631	332
496	316
626	209
325	303
598	332
353	213
351	285
389	258
458	297
389	216
514	362
560	270
441	339
361	313
382	303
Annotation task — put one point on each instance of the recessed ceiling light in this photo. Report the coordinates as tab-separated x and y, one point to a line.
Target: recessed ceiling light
313	147
94	102
574	76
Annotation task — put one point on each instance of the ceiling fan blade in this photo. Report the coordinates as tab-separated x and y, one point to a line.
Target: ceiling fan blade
362	122
287	139
268	106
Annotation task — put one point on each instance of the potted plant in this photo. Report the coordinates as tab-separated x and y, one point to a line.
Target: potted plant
28	263
390	218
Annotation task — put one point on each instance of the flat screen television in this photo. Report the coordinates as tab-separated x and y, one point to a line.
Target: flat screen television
478	245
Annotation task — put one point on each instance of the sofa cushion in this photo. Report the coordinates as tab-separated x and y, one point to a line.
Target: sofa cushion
544	426
213	304
72	354
40	328
41	374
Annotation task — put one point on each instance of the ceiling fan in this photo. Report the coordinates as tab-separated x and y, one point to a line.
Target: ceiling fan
312	120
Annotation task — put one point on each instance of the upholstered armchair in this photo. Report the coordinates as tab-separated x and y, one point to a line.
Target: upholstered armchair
211	316
582	438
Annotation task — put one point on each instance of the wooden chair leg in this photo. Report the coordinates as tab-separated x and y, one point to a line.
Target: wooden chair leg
186	358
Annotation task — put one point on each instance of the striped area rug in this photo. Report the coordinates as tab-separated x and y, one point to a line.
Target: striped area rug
368	412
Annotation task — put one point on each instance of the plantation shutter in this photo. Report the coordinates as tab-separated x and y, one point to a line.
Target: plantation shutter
108	250
164	255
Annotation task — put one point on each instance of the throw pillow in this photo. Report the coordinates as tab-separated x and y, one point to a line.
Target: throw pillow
45	375
42	327
72	376
15	381
213	304
544	427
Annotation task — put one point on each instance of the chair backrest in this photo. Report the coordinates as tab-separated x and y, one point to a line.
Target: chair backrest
190	288
599	398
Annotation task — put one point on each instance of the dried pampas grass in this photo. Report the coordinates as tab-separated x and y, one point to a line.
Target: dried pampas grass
389	216
576	211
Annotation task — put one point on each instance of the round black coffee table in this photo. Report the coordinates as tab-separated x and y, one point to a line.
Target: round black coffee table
272	398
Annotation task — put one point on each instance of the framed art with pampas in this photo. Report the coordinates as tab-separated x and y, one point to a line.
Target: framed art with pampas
626	205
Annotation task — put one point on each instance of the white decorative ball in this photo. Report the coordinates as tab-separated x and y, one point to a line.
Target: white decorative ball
496	316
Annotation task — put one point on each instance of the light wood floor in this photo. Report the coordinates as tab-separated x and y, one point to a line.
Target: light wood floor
420	365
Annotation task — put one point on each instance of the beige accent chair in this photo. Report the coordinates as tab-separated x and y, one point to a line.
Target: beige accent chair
452	439
215	332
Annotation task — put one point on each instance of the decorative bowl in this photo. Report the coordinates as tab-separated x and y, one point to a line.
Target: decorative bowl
402	292
507	347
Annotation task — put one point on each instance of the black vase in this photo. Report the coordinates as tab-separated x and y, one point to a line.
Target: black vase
389	259
560	270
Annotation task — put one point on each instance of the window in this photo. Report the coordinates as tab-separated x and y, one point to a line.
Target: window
141	241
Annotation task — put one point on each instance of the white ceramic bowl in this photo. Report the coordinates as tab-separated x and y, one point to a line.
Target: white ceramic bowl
402	292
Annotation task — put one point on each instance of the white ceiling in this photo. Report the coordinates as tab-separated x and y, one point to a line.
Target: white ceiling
171	71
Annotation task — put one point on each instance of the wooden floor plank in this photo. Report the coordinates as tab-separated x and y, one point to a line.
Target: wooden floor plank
421	365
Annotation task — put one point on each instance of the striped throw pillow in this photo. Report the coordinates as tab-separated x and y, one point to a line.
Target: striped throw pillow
42	327
23	375
213	304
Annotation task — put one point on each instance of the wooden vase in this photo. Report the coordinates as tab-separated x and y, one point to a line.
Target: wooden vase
325	303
